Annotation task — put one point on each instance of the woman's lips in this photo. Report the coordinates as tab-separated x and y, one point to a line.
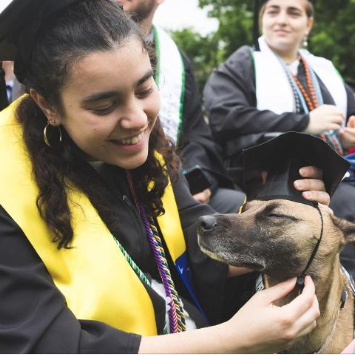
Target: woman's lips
130	144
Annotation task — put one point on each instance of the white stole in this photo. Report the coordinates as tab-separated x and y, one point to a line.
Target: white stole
170	80
273	90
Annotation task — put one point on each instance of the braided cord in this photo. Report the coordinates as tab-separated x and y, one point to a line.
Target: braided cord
177	303
133	265
137	270
176	311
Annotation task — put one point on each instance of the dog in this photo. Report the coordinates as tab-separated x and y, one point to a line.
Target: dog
278	239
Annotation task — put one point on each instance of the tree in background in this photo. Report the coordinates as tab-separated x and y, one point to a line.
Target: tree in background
332	37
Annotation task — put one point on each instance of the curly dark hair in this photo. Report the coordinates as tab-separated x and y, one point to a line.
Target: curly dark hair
65	39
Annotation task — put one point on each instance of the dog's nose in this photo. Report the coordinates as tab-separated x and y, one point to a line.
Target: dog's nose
208	222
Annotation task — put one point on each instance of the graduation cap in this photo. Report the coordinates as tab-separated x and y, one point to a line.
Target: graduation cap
20	26
257	7
282	157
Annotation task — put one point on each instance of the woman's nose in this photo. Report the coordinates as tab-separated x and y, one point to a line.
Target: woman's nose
282	17
134	116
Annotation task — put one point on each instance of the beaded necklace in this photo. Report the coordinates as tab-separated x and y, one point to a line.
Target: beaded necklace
312	101
176	311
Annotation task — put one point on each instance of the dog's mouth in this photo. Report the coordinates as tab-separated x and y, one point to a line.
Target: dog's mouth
244	261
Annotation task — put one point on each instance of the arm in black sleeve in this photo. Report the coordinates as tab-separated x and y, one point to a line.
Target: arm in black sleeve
230	101
34	317
210	277
197	146
351	101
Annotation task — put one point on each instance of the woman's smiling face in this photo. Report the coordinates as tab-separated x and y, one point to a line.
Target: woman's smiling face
285	24
111	104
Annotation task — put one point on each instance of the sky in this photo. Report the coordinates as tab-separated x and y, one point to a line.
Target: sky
175	15
178	14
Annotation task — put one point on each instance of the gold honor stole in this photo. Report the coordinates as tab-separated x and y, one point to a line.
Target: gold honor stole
94	276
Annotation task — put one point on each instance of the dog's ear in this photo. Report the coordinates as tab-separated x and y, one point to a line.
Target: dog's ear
346	227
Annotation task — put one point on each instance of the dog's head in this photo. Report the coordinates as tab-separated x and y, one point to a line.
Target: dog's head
276	237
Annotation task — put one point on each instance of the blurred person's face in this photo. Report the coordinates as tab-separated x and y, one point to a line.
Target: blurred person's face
285	24
110	104
139	9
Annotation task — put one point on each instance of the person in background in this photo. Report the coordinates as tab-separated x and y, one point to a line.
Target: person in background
277	87
13	88
98	238
181	113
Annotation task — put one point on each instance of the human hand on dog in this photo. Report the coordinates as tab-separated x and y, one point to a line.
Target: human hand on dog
312	186
262	327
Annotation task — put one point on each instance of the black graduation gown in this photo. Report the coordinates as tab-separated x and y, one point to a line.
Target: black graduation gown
236	123
34	317
230	102
197	145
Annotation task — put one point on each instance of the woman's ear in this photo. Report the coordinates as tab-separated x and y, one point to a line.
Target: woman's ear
310	24
51	114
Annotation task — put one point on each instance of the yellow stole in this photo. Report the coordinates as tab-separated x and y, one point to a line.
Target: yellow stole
94	276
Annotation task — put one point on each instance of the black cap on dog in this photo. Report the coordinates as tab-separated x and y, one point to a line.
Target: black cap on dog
282	157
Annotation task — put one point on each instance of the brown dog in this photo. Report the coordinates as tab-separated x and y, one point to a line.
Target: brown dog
278	238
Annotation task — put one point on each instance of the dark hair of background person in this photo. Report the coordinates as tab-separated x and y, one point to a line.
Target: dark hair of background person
65	39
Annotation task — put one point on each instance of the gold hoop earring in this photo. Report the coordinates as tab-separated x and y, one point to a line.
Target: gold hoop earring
46	138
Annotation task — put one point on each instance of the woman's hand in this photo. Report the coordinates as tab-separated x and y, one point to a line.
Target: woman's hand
347	135
324	118
259	326
262	327
312	187
203	197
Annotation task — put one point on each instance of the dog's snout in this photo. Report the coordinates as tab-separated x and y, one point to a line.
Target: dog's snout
208	222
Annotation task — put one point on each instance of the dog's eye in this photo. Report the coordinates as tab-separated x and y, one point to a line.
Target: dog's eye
283	217
275	215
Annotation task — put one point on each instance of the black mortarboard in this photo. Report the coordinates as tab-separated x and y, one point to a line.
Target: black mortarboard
19	28
257	7
282	157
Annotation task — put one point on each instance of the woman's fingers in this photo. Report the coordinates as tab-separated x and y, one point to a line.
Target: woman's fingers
311	172
307	321
319	196
302	303
313	188
272	294
309	185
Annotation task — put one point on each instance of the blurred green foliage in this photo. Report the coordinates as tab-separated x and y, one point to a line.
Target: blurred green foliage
332	37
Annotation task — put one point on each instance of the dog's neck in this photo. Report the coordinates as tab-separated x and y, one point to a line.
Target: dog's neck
328	290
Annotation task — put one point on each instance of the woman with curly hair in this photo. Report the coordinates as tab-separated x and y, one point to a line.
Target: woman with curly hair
98	241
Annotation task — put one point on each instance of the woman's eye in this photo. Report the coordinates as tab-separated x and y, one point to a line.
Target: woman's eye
103	110
145	93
